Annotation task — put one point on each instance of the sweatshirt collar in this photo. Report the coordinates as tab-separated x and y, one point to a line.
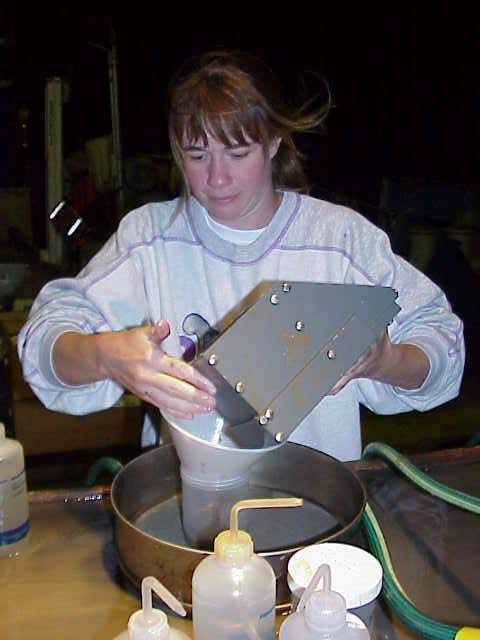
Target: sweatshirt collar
245	254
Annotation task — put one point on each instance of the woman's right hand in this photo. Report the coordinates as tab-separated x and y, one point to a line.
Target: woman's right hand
135	359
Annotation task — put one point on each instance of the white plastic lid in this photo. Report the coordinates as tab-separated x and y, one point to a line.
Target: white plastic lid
356	574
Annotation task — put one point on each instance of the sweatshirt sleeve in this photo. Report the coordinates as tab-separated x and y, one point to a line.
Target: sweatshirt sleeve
107	295
425	320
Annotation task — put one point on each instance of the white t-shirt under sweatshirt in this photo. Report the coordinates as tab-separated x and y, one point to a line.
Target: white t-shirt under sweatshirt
169	260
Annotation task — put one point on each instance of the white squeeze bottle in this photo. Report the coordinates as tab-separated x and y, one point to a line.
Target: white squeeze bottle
14	520
234	590
152	624
322	614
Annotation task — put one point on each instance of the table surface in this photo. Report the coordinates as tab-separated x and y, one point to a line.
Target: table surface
66	582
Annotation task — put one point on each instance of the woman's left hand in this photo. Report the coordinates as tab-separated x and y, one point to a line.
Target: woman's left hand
402	365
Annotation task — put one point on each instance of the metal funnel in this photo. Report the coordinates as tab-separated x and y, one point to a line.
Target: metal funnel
206	451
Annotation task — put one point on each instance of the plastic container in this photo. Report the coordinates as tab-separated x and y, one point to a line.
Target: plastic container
152	624
206	452
234	590
206	507
356	574
322	614
14	513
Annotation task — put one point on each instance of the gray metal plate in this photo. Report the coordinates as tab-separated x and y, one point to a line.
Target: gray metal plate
276	362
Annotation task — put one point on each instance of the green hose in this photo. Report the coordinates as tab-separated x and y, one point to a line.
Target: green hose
423	480
395	596
473	441
102	464
392	590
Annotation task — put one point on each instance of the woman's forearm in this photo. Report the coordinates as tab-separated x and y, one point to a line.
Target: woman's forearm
400	365
78	358
407	367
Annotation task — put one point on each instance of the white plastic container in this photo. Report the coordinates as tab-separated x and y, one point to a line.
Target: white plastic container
14	513
356	574
234	590
152	624
206	507
322	614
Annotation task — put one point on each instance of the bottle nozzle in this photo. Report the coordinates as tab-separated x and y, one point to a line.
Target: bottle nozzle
323	571
259	503
149	622
237	545
150	584
325	610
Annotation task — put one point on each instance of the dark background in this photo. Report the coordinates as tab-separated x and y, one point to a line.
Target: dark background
405	85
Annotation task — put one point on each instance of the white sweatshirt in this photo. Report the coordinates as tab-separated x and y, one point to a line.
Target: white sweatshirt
165	261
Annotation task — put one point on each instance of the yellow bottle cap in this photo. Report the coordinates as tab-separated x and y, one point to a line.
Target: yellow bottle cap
468	633
235	545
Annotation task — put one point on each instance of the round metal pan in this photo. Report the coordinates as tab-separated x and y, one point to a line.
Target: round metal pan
146	500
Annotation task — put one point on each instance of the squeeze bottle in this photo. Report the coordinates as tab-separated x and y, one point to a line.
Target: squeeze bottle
234	590
152	624
14	520
322	614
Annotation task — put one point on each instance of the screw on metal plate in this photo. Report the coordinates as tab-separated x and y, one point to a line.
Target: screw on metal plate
274	299
331	354
269	413
263	420
279	436
239	387
286	286
299	325
213	359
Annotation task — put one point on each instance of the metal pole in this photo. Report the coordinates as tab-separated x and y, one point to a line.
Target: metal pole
53	164
117	165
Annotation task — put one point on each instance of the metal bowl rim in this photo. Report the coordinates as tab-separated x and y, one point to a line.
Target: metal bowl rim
353	523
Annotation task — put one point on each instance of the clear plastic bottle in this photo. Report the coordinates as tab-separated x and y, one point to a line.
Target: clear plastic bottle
322	614
14	512
152	624
234	590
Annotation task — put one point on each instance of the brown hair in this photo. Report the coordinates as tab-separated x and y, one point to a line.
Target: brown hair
233	96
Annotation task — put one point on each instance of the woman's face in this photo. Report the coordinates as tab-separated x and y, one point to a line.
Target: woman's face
233	182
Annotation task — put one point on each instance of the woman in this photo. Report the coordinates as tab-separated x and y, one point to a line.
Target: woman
175	270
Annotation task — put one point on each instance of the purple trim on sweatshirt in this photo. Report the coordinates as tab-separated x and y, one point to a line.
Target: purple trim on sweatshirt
330	249
96	328
126	256
458	334
192	243
106	273
29	375
85	324
268	250
159	236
